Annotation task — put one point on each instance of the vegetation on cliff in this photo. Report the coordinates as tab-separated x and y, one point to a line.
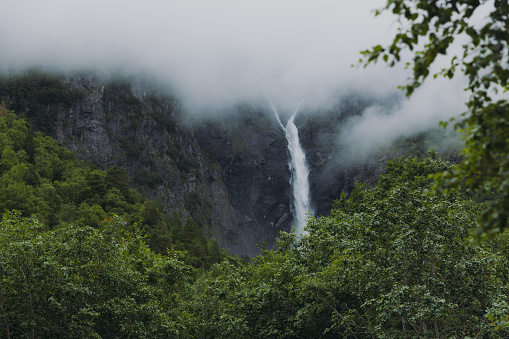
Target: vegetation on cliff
32	92
42	179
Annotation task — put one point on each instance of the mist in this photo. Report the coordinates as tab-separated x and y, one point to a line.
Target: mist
380	125
214	54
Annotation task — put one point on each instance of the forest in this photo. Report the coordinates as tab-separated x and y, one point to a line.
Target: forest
82	254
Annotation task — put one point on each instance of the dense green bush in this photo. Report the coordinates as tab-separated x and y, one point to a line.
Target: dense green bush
77	281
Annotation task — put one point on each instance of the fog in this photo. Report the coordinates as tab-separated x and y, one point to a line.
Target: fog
378	126
213	52
217	53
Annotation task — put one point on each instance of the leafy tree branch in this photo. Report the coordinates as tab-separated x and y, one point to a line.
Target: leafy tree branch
428	29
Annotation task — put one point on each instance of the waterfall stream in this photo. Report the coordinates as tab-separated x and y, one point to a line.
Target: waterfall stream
299	169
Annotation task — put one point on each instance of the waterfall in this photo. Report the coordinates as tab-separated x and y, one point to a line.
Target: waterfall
300	172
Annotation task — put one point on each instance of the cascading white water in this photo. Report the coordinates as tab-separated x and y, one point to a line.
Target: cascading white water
300	172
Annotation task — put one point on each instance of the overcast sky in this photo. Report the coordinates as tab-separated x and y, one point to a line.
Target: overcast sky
211	50
221	51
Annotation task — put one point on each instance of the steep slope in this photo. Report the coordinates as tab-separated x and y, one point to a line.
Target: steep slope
142	131
252	152
215	174
228	171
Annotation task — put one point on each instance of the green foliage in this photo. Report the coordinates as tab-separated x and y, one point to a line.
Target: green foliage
200	210
58	189
393	261
130	149
258	300
400	263
158	107
184	163
146	178
82	282
431	27
118	96
52	179
32	92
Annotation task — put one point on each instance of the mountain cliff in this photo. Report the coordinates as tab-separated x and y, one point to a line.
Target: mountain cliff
228	171
230	175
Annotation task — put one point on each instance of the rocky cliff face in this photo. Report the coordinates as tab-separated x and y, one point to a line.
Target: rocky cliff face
252	152
319	133
230	173
127	125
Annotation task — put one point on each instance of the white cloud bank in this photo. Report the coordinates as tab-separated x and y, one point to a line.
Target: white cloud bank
218	52
212	51
375	128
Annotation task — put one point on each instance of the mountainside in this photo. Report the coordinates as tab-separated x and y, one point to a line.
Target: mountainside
216	173
143	132
230	172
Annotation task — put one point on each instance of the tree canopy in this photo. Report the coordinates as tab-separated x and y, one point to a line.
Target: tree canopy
392	261
429	29
77	281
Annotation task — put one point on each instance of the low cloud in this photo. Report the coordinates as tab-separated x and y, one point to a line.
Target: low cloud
212	52
217	53
378	126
